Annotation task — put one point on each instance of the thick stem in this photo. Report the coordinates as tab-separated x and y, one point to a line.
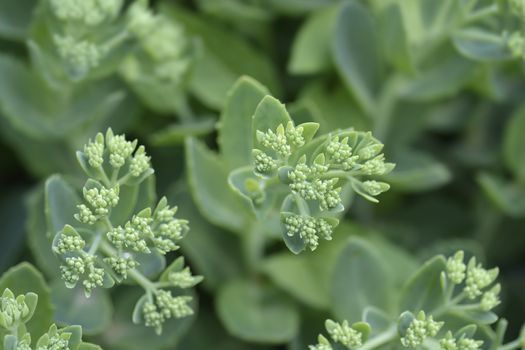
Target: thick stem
383	338
134	274
512	345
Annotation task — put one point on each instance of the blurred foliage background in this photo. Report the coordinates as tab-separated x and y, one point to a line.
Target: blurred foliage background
439	82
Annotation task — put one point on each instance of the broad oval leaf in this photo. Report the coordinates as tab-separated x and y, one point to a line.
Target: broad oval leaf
360	280
355	53
256	312
72	307
514	144
207	177
24	278
235	125
423	291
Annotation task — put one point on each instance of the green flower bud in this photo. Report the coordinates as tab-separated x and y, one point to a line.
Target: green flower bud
420	328
456	268
375	188
139	163
490	299
121	265
81	55
95	151
310	229
344	334
294	135
275	141
478	278
323	344
264	164
184	278
88	12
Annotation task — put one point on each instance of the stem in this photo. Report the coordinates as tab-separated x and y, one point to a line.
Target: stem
142	280
512	345
123	179
104	177
96	243
114	176
481	14
451	304
383	338
253	247
301	205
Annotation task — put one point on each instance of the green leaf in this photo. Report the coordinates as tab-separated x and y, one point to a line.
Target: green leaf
224	65
333	108
355	53
124	335
394	38
423	291
298	275
478	44
416	171
215	254
235	124
88	346
270	113
15	18
509	197
207	176
34	109
444	78
22	279
311	47
61	203
38	238
13	216
256	313
514	144
176	133
360	280
72	307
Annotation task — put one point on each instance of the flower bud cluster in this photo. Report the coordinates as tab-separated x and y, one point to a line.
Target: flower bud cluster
420	328
99	201
348	336
476	280
163	41
13	310
164	307
54	339
86	12
82	55
449	342
160	230
309	228
516	44
82	268
118	153
184	278
283	141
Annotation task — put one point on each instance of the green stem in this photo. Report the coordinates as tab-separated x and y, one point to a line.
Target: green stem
449	305
96	243
114	176
253	243
123	179
512	345
301	205
482	13
383	338
142	280
104	177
